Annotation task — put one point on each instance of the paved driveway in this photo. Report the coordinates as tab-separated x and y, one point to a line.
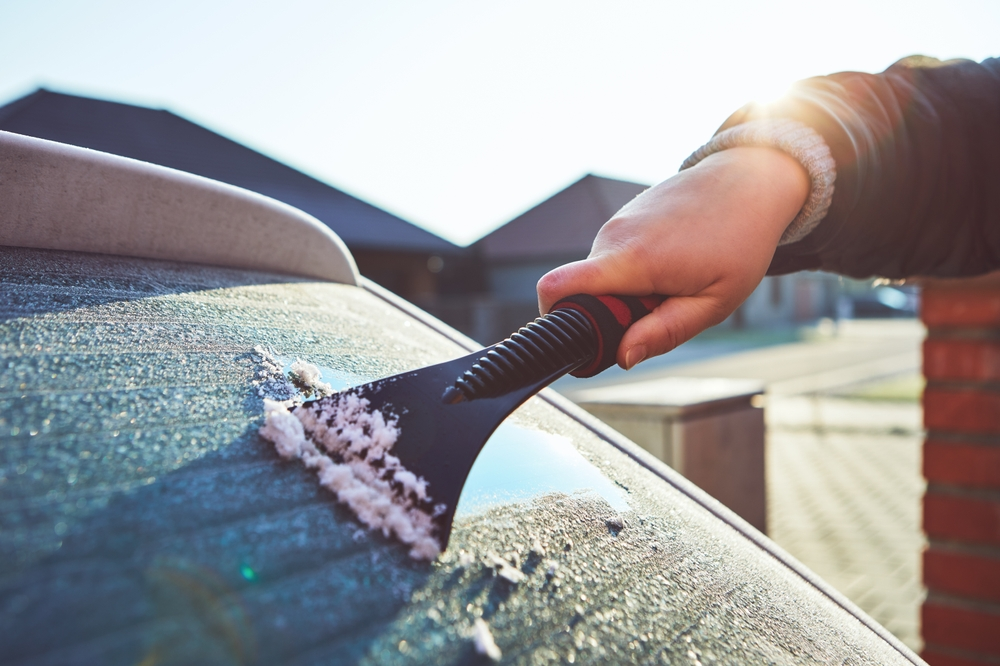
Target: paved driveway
844	488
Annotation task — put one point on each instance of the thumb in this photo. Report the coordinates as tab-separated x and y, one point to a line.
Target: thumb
596	276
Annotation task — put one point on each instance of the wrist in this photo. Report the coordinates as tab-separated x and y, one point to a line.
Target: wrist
776	184
798	141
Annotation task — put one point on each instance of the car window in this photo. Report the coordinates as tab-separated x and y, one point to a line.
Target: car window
144	520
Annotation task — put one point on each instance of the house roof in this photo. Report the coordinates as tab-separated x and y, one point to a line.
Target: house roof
161	137
564	225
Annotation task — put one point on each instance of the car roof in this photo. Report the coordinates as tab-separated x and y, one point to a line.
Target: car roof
59	197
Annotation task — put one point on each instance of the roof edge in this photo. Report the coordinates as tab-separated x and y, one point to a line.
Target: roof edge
434	242
61	197
15	106
587	181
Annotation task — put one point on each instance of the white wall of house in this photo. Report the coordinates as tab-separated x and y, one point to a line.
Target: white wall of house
515	283
771	304
789	299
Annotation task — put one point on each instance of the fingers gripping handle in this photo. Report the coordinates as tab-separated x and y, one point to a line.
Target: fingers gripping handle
610	316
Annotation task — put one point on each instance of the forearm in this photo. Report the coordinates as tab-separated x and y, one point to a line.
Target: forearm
917	192
917	154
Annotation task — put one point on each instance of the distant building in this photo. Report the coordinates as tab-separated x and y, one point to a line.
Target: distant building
558	230
389	250
514	256
562	229
487	290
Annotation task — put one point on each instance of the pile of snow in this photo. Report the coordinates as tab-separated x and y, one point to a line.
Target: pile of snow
349	444
304	379
309	376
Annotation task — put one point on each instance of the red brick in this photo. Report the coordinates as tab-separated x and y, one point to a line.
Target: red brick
974	302
962	410
936	657
962	464
969	520
959	627
962	574
962	360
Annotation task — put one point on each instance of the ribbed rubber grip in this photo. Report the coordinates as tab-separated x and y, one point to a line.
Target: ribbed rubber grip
561	339
580	332
610	317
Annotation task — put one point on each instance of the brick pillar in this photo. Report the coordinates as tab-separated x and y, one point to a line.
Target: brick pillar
961	617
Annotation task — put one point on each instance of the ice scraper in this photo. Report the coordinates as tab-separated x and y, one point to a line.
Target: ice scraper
439	417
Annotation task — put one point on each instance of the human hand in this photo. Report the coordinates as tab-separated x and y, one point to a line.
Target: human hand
704	237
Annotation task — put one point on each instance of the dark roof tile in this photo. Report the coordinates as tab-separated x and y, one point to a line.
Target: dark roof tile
163	138
563	225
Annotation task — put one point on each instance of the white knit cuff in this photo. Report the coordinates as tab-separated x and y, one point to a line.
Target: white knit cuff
801	142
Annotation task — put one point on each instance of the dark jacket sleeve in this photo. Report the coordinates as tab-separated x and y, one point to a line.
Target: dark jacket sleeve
917	149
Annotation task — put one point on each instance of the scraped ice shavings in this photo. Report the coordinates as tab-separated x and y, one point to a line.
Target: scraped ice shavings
348	445
483	640
511	574
269	379
272	382
310	377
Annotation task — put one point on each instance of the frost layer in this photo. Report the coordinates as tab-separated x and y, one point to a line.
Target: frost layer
269	379
348	445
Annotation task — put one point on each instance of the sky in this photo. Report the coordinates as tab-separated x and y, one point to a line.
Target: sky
458	116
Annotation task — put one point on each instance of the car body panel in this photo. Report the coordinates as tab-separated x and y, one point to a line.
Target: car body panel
143	519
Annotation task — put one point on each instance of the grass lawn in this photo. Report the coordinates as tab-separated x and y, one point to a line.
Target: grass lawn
904	388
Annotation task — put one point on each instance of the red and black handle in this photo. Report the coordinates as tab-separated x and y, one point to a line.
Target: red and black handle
610	317
580	336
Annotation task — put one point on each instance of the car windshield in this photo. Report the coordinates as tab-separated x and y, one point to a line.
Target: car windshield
144	520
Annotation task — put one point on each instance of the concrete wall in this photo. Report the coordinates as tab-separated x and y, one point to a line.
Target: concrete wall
709	430
723	453
789	299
